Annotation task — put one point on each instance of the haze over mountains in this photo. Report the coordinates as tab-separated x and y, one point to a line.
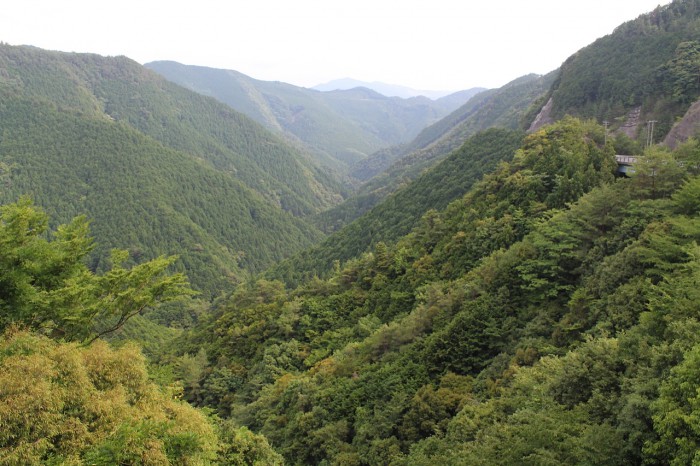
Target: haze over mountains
339	127
84	134
390	90
378	284
386	170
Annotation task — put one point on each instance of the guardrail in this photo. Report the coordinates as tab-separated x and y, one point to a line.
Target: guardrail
626	159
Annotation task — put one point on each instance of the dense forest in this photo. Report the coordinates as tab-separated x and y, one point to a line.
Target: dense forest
511	298
646	66
543	317
156	168
400	212
339	127
387	171
66	396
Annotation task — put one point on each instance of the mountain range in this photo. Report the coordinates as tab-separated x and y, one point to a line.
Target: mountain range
386	171
156	167
389	90
542	311
338	127
488	290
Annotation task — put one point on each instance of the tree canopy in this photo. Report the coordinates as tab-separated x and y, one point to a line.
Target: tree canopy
66	396
46	286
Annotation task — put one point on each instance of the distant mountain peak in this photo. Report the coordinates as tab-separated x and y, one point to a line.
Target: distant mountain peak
389	90
338	128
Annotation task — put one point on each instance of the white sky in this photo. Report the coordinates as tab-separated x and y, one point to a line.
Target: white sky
435	45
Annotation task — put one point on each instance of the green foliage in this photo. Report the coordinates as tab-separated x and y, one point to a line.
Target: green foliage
395	168
65	404
492	324
120	90
401	211
338	127
682	72
687	199
554	167
46	286
546	314
676	414
688	156
625	145
648	65
657	173
158	169
549	316
242	447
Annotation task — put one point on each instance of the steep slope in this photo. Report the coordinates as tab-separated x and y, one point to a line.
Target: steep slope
122	90
401	211
501	108
388	170
452	102
140	195
646	68
157	168
549	314
389	90
685	128
340	127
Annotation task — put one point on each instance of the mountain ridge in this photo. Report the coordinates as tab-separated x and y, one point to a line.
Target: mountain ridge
645	66
85	134
389	90
338	127
511	301
387	171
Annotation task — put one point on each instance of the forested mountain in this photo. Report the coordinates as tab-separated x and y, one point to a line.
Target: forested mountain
67	396
548	315
644	70
339	127
389	90
504	107
388	170
401	211
657	47
123	91
159	169
515	303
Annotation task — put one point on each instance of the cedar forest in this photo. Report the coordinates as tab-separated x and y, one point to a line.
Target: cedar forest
180	284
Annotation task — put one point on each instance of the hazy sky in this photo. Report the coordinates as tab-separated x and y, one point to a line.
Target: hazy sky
434	44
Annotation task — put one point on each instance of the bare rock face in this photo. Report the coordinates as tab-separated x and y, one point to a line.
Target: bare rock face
629	128
543	118
687	127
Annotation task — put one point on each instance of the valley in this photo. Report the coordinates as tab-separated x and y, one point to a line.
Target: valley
200	267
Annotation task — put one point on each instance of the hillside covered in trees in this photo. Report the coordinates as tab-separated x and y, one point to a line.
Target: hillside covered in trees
401	211
339	127
387	171
510	299
646	69
546	315
66	396
158	169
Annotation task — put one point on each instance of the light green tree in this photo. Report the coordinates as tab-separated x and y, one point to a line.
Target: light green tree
46	286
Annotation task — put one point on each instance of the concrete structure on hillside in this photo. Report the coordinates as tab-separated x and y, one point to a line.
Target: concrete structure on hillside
625	164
